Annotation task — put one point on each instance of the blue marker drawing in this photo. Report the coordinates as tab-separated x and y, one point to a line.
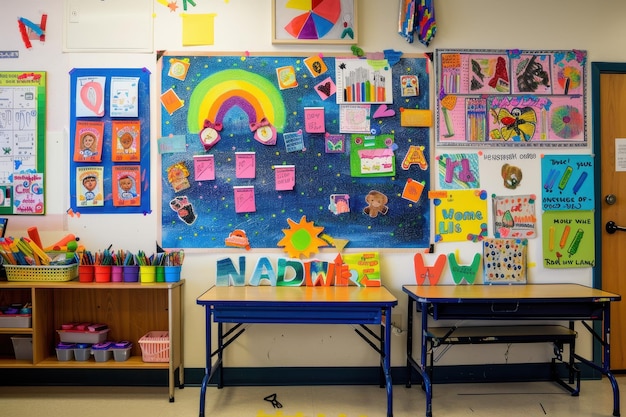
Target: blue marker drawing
580	181
552	176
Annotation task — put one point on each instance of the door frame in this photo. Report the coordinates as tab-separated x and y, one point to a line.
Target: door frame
597	69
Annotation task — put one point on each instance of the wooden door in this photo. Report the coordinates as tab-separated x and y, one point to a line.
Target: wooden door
610	123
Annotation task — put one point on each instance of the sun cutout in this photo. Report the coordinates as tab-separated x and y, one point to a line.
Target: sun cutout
301	239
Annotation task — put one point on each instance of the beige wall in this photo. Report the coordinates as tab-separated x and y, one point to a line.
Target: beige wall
244	25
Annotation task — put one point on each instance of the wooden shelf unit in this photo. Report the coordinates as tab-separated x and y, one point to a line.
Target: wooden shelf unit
129	309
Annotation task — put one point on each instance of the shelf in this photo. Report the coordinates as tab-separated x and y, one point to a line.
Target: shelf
16	330
134	362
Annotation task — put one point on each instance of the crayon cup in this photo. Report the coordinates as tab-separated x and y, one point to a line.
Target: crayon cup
160	273
117	273
172	273
102	273
131	273
85	273
147	273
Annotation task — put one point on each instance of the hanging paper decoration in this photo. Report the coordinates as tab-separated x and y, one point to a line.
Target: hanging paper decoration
417	17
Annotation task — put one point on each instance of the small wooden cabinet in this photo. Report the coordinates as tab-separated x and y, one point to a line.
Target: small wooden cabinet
129	309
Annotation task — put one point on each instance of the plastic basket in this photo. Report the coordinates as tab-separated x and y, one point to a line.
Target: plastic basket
41	272
155	346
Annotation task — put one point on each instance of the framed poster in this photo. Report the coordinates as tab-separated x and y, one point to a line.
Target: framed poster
323	22
22	139
511	98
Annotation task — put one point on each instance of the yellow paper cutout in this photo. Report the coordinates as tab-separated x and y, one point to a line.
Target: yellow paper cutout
198	29
301	239
416	118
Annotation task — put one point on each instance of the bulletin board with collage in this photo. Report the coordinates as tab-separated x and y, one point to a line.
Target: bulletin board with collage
253	146
511	98
110	140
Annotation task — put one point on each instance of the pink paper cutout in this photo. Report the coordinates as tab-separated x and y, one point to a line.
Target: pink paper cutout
384	111
92	96
326	88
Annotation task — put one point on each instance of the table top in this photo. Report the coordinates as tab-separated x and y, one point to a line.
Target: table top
301	294
516	292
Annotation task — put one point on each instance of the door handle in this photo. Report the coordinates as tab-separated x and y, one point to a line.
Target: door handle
611	227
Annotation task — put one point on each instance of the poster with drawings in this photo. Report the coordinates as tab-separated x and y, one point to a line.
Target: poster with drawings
22	139
511	98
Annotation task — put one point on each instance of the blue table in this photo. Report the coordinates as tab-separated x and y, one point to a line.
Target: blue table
541	302
296	305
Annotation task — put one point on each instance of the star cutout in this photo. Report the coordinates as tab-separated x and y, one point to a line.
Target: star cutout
172	5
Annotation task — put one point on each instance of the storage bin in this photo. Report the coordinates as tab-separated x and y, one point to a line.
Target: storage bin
23	347
121	350
155	346
82	351
131	273
65	351
15	320
102	351
77	336
147	273
41	272
172	273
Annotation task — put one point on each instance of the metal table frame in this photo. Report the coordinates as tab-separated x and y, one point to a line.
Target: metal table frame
566	302
296	305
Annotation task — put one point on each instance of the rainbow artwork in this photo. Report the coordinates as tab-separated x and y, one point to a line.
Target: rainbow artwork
217	94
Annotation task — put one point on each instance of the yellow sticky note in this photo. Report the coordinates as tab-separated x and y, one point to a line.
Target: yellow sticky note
416	118
198	29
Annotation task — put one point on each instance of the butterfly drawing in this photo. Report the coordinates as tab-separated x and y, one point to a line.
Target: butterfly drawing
335	143
518	124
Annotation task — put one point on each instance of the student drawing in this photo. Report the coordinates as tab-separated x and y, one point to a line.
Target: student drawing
126	189
88	142
126	136
90	186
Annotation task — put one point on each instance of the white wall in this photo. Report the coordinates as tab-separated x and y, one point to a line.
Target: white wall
244	25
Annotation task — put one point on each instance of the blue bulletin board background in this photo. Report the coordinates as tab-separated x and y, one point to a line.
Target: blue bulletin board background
318	174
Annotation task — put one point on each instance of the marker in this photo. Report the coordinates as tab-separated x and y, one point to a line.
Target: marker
565	178
552	230
573	247
580	181
551	178
564	236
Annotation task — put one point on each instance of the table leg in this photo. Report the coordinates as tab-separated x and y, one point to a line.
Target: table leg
423	368
207	366
387	361
409	341
606	362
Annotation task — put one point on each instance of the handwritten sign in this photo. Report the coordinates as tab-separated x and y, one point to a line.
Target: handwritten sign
285	177
314	120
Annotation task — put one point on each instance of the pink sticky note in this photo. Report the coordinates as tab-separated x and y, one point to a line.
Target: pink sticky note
244	199
285	177
314	120
246	164
204	167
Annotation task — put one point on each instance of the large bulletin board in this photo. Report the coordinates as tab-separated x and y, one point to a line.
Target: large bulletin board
278	146
511	98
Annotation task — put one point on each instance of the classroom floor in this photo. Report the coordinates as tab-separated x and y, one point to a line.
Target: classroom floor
450	400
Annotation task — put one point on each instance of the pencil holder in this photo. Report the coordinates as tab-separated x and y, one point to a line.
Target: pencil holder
160	273
85	273
172	273
131	273
102	273
147	273
117	273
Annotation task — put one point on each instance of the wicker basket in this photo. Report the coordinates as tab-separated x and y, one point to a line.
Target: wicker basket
41	272
155	346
